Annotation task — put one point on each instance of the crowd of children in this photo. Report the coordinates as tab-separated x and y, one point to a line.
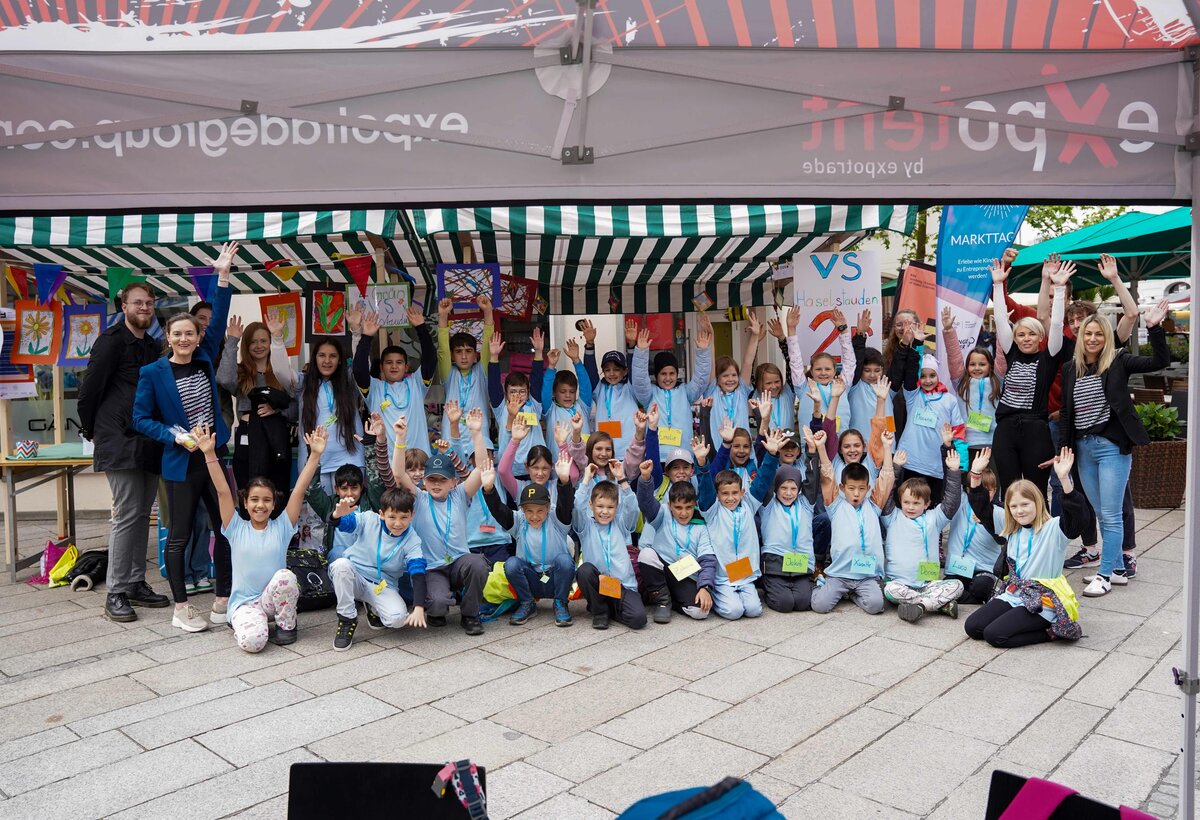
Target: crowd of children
647	493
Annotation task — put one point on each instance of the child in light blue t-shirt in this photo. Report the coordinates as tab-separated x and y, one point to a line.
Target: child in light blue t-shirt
604	520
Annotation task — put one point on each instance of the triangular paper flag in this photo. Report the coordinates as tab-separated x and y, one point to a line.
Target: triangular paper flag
360	271
118	278
282	268
49	279
204	280
19	279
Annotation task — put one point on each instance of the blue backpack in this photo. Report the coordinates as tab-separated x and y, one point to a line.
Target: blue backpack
731	799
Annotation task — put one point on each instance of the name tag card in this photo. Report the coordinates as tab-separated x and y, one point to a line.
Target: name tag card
795	562
925	418
610	586
928	571
739	569
528	418
670	436
979	421
863	565
961	566
613	428
685	567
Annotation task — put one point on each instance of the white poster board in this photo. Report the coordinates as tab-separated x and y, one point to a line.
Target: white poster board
825	282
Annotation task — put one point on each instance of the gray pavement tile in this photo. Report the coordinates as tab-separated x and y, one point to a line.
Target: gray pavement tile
441	642
1170	548
773	720
27	617
823	800
308	663
973	653
510	690
518	786
145	710
70	677
824	637
921	687
1053	735
770	629
1152	637
1160	678
969	800
65	616
32	744
661	719
66	653
775	790
587	703
698	656
274	809
293	726
436	679
566	805
1113	771
225	663
189	721
49	637
1155	571
532	646
354	671
174	645
1011	705
1052	664
1108	681
623	647
69	705
808	761
686	760
935	632
582	756
61	762
1135	599
747	677
385	740
108	789
226	793
1147	718
486	743
912	768
881	662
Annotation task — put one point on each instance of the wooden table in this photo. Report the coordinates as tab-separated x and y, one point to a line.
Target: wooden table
23	474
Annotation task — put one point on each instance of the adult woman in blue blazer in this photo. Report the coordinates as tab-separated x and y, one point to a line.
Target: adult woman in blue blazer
179	393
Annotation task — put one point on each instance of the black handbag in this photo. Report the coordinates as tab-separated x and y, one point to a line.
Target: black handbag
312	572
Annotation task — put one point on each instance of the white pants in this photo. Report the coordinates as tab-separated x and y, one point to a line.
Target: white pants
733	602
350	587
278	601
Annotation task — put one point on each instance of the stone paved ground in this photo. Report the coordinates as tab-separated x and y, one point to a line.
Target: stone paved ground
843	715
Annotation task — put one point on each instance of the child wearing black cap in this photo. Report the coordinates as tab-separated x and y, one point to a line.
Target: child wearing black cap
544	565
613	398
673	398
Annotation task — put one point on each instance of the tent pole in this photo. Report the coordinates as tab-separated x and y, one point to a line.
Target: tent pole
1186	678
585	75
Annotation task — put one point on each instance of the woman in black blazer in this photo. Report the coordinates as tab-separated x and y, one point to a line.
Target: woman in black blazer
1099	423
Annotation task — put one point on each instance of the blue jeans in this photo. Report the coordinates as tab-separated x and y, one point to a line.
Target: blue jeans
1104	472
526	581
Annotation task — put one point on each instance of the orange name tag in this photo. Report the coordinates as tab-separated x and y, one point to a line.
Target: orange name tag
613	428
739	569
890	423
610	586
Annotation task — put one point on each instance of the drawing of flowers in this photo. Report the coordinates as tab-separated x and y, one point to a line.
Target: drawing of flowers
37	326
84	331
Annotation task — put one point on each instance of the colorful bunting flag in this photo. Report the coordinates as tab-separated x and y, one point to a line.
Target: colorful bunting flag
204	280
119	278
49	279
19	279
359	268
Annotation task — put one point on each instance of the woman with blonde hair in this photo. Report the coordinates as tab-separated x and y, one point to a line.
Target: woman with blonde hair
1036	603
1098	422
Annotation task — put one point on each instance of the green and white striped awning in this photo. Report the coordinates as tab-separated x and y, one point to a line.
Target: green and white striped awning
162	246
654	258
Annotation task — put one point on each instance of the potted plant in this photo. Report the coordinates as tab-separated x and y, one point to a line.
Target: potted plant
1159	470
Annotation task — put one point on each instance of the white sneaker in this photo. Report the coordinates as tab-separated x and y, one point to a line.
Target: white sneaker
1098	586
189	620
220	612
1116	579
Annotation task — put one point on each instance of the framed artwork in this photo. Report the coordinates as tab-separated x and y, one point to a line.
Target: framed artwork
328	313
390	300
517	296
285	306
16	381
464	283
82	326
472	327
39	332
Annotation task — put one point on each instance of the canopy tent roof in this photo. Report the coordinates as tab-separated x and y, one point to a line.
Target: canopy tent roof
1146	246
657	257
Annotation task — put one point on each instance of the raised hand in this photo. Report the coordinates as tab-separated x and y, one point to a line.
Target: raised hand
400	428
589	332
235	329
475	420
775	328
1000	273
1108	268
704	334
814	393
416	316
572	348
918	333
652	416
639	423
275	323
839	318
453	411
774	441
889	438
646	468
1008	257
444	307
947	318
370	323
224	261
487	474
1158	313
1063	464
882	388
485	305
577	424
354	317
519	430
563	466
345	506
317	440
562	432
952	460
819	438
589	474
982	459
793	320
1050	266
496	346
538	340
616	469
900	458
756	330
947	435
1063	274
631	332
374	426
442	446
205	438
552	358
837	387
699	449
726	430
765	404
643	339
864	323
513	404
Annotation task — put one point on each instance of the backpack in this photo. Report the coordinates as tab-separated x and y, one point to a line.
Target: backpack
312	571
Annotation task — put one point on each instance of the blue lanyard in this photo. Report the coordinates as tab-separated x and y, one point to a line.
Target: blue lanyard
387	394
925	397
675	535
920	521
730	400
379	562
608	391
664	404
826	395
607	547
970	534
327	393
464	387
981	395
862	530
526	534
744	473
737	531
1028	552
437	525
794	514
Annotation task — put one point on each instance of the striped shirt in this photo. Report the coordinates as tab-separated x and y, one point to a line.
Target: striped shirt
1019	385
1091	405
195	392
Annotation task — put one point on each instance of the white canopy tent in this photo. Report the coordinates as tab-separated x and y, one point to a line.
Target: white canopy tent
156	104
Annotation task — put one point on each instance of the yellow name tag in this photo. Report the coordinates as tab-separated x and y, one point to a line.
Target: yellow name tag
527	418
380	587
928	571
796	562
670	436
979	421
385	404
684	567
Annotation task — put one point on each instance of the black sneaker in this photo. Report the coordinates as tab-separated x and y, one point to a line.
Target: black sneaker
1129	571
600	619
662	607
117	608
283	637
344	636
1083	558
910	612
144	595
435	620
950	609
472	626
372	619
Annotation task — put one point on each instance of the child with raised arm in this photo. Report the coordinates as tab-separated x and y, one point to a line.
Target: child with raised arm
514	400
913	577
1037	603
567	395
604	520
399	390
441	521
823	368
971	549
788	560
976	384
678	563
263	586
856	543
729	511
544	565
730	392
869	369
673	398
612	399
932	410
463	375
